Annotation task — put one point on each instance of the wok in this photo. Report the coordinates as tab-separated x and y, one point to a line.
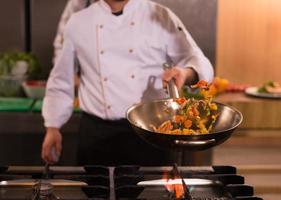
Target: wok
144	116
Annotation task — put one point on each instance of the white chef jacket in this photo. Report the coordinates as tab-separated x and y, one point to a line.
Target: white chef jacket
121	60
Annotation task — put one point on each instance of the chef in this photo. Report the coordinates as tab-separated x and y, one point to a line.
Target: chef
121	46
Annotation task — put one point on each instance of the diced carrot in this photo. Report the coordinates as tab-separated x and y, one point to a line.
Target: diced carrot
201	84
194	111
187	123
180	100
178	119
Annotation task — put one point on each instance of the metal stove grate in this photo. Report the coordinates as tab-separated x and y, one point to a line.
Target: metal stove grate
120	183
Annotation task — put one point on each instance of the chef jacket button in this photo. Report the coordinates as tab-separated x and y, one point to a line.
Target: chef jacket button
101	52
132	23
131	50
101	26
108	107
132	76
105	79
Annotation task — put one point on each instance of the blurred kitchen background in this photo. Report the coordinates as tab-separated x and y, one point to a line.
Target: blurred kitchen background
241	38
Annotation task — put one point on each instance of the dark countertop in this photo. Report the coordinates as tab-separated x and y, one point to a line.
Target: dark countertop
23	115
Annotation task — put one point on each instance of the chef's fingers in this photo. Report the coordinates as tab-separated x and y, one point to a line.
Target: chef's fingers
176	73
51	147
47	154
45	150
57	151
167	75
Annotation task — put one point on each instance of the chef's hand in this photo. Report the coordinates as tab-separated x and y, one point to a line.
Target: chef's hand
180	75
52	145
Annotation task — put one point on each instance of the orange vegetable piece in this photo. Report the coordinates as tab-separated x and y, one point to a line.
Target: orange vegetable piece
179	119
194	111
180	100
187	124
221	84
209	93
201	84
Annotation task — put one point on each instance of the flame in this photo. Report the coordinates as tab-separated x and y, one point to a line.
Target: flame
176	189
179	191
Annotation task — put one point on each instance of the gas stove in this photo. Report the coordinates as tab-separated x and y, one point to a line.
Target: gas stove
124	183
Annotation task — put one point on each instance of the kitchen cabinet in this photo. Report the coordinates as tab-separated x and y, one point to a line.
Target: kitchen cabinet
248	42
12	25
22	134
44	21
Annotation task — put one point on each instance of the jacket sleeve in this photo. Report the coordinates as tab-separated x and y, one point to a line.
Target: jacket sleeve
58	102
183	51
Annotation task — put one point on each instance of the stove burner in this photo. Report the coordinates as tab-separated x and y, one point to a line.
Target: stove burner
121	183
185	190
43	191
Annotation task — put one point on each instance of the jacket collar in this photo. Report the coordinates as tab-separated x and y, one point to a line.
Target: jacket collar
130	6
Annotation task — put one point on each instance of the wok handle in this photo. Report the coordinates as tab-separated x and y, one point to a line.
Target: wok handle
171	86
195	143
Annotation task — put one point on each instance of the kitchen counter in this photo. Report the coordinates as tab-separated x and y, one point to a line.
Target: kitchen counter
255	147
258	113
